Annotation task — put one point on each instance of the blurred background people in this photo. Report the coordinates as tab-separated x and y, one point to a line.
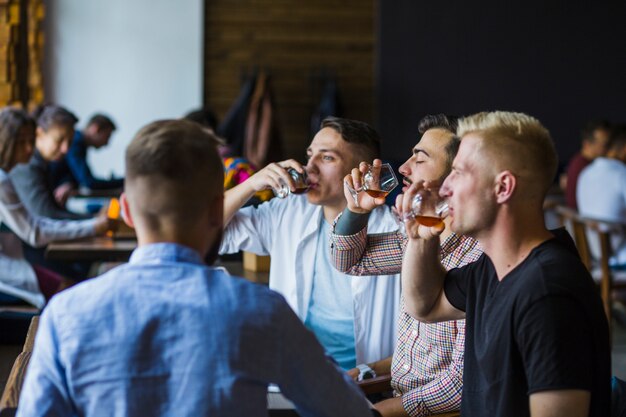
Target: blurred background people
73	170
19	279
594	138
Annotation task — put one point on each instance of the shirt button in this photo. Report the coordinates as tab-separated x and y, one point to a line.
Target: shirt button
414	332
406	367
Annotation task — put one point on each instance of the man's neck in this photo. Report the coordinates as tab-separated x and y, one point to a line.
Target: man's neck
332	211
510	240
199	239
87	139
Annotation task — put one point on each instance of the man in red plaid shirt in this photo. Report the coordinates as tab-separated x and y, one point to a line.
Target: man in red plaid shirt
427	365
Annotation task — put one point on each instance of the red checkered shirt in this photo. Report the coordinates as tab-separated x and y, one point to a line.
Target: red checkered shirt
427	365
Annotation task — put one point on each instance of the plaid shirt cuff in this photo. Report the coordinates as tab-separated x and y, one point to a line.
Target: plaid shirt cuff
355	242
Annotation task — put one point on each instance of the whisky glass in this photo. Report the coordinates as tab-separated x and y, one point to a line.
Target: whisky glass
300	180
378	182
428	208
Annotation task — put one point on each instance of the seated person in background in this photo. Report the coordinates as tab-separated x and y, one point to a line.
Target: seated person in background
55	129
166	334
427	364
73	170
352	317
602	191
536	336
595	136
18	278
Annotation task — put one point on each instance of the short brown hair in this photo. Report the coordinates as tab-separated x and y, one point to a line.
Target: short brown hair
179	161
12	120
515	142
102	121
356	132
587	132
53	115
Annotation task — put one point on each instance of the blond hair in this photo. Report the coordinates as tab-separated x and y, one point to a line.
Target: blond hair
516	142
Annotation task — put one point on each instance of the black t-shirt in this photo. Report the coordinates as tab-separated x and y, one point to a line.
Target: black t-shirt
541	328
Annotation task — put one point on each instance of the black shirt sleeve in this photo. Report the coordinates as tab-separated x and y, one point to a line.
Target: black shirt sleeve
457	280
553	334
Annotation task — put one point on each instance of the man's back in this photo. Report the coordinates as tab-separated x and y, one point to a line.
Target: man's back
166	335
602	195
602	190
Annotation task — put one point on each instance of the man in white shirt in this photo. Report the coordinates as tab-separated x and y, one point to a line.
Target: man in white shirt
353	318
601	192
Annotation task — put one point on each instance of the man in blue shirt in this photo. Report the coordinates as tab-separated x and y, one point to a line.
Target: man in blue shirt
73	170
165	334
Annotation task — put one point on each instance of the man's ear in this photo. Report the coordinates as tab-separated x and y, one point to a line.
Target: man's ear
505	185
126	214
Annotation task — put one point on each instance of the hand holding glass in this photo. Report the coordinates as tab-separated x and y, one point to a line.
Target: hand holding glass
427	208
377	183
300	180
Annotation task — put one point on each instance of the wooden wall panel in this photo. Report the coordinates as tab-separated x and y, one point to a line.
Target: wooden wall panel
21	45
294	41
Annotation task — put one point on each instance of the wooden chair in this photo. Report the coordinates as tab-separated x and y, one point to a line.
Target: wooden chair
588	234
378	385
11	394
382	384
15	317
570	219
600	235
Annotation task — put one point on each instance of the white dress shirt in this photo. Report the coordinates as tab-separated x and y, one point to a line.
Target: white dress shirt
287	231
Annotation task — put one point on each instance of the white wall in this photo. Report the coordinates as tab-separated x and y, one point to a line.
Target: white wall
136	60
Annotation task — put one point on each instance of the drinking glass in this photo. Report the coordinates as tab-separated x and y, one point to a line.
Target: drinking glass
114	209
377	183
300	180
428	208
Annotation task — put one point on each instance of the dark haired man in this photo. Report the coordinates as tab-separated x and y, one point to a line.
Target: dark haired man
595	136
427	365
166	334
55	129
73	170
352	317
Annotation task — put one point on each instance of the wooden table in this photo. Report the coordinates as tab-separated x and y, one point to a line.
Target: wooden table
86	192
94	249
108	249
